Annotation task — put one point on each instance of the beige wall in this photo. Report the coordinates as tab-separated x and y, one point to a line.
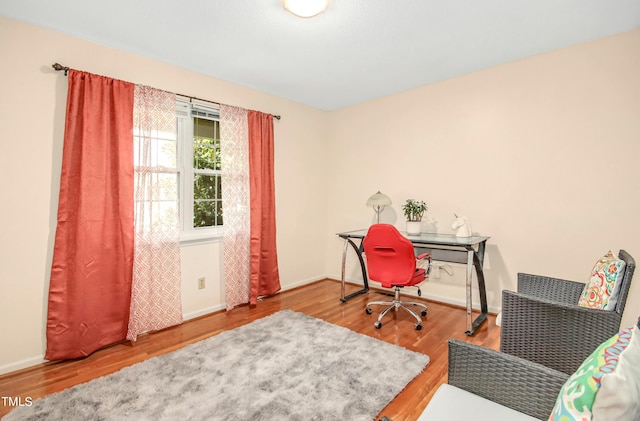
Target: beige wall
542	154
32	107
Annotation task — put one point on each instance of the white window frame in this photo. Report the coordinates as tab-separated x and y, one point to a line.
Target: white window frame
184	114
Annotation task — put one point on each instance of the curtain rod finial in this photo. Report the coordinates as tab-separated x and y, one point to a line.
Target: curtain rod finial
57	67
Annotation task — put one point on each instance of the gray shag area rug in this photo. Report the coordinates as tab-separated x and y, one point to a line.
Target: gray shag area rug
286	366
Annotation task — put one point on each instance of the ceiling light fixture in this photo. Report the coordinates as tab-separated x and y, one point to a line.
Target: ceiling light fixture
305	8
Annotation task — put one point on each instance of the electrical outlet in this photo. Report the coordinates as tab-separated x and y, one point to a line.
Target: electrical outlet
201	283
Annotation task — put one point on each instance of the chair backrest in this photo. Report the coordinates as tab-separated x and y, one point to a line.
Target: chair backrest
630	267
390	256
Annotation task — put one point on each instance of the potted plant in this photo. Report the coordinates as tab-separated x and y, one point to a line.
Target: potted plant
413	210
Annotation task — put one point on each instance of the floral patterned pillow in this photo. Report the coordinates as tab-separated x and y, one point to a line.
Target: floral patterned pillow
601	292
606	386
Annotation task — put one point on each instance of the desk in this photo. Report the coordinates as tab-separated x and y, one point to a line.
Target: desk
443	247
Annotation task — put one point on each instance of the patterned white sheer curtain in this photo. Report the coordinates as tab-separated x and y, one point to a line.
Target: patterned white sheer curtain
235	203
155	297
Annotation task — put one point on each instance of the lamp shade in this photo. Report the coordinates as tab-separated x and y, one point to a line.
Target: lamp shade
379	200
305	8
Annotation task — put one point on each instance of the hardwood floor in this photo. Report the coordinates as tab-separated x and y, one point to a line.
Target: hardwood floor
319	299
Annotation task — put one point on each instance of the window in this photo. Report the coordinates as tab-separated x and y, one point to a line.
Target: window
200	171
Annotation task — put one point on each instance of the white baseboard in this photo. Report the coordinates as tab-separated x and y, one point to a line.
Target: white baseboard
213	309
432	297
203	312
304	282
30	362
19	365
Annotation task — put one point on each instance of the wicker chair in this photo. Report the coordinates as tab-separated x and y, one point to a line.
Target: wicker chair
542	321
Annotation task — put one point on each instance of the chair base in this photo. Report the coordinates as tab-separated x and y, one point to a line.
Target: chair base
397	304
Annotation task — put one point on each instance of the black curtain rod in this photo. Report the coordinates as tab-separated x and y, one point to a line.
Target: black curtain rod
58	67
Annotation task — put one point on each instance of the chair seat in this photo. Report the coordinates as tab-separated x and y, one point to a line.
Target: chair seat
452	403
419	276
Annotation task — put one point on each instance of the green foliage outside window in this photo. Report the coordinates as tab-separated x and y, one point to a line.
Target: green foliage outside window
207	184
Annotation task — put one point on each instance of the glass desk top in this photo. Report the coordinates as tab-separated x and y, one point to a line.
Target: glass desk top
426	238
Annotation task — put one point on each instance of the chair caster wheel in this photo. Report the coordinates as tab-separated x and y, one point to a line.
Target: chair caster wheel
418	326
368	310
424	312
378	325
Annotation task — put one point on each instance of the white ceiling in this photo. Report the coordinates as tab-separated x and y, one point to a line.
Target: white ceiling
357	50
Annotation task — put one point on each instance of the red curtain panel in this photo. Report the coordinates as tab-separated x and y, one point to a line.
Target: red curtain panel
265	278
90	289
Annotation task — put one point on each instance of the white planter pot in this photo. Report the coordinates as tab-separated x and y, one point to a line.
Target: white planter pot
413	227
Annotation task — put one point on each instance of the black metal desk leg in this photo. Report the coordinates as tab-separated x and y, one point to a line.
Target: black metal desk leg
484	310
365	280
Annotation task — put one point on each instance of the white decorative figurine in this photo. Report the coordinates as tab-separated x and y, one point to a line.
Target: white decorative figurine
461	224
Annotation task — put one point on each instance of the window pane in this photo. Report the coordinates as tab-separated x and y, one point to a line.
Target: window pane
207	200
164	186
162	152
206	144
162	213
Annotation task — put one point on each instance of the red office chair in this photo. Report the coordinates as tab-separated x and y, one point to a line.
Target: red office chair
391	261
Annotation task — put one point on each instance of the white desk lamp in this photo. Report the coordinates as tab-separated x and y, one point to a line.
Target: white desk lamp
378	201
